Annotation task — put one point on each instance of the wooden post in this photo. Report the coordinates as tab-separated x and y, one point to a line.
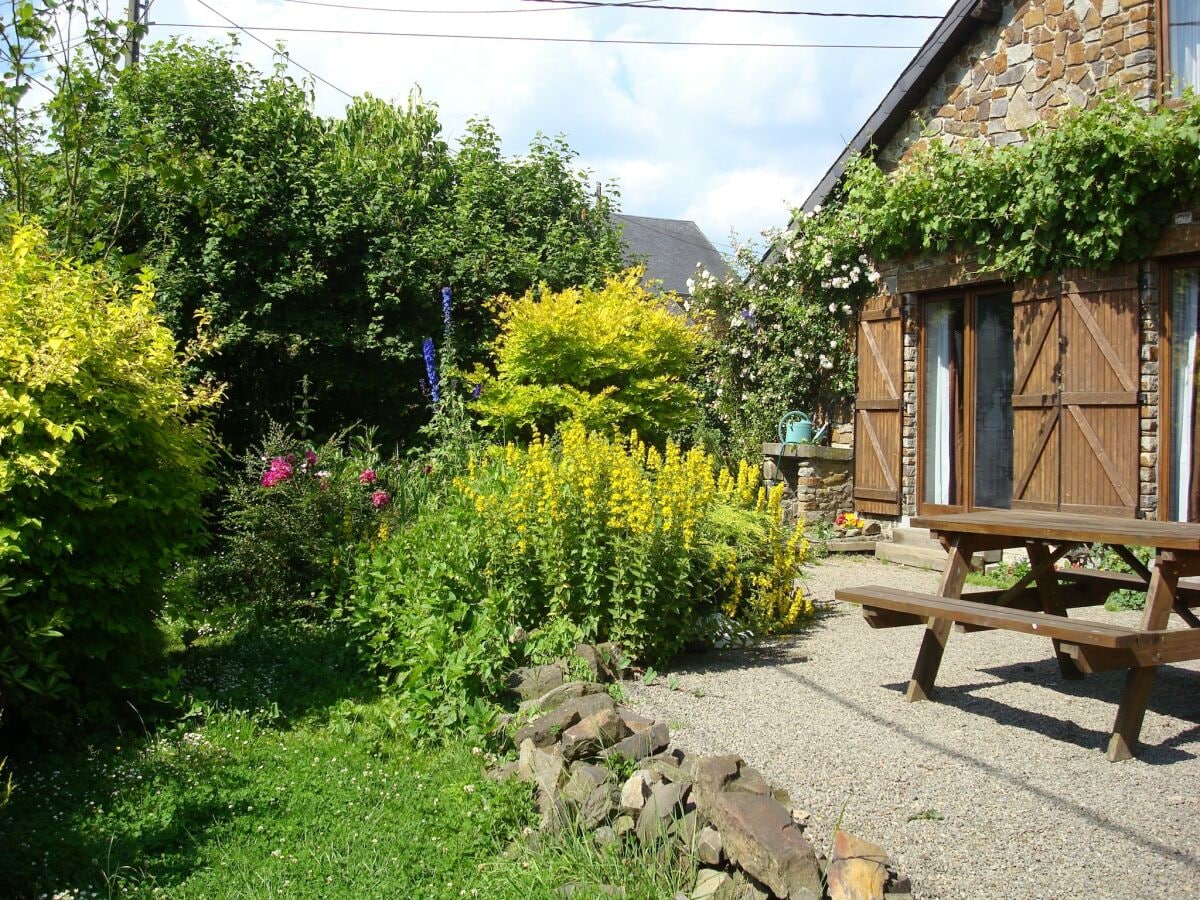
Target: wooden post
1160	599
937	631
1047	583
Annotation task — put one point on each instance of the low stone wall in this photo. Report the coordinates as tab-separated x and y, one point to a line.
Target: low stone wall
819	480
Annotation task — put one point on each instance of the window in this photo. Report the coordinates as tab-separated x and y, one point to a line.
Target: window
1181	53
967	374
1182	479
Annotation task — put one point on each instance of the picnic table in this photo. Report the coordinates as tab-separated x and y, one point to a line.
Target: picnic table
1038	602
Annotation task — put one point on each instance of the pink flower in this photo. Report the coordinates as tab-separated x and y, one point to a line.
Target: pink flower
367	476
310	459
380	499
278	471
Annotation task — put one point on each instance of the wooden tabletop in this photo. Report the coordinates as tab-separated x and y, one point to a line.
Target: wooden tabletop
1055	526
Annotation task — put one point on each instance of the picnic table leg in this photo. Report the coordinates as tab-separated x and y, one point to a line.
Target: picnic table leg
1052	603
937	631
1159	600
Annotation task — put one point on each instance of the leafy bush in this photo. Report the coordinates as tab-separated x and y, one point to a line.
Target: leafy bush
580	537
102	470
319	246
614	356
293	521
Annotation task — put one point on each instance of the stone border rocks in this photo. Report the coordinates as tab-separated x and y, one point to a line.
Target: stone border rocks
596	765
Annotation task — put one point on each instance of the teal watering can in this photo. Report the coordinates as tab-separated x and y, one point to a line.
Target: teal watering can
797	428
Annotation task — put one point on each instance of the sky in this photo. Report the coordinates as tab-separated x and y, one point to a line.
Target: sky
730	137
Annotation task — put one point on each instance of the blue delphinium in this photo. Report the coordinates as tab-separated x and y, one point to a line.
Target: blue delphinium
435	388
447	296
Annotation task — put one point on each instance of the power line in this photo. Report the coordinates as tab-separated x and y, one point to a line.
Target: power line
565	5
722	9
250	31
547	40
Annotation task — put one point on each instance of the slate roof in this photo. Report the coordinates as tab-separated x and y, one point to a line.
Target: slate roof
670	249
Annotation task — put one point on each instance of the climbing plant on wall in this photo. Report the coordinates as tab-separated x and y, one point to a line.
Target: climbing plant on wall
1092	189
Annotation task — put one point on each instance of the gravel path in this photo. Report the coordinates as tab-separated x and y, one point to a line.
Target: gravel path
1004	772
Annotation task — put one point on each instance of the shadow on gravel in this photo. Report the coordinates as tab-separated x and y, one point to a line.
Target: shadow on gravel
1173	695
1000	775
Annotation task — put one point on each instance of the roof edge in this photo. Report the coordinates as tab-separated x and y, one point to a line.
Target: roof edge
959	25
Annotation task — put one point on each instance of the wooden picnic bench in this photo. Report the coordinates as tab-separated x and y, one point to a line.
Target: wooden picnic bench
1038	602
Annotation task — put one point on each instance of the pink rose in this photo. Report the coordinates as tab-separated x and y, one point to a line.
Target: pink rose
380	499
367	476
279	471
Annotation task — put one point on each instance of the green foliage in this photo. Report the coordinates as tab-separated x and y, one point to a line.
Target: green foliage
102	469
292	522
319	246
433	619
578	538
1091	189
1101	556
286	779
615	356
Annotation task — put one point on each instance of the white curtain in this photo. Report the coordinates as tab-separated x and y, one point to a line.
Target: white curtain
937	403
1185	311
1185	45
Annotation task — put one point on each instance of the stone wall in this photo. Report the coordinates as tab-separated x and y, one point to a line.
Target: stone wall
1042	56
819	480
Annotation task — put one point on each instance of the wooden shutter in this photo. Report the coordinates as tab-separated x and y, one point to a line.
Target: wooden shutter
877	408
1100	391
1036	410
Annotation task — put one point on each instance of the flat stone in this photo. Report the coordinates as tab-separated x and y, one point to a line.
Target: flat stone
601	661
555	697
635	792
581	889
710	848
858	870
595	810
633	721
584	779
654	819
548	728
535	681
545	769
710	775
712	884
761	838
605	835
623	825
504	772
640	745
591	735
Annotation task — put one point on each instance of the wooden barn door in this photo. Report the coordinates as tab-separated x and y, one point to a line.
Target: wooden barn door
1100	391
1037	418
878	407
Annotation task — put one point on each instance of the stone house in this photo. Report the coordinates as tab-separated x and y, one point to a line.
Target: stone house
1075	391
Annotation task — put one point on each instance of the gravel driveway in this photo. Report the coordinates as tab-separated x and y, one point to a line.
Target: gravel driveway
998	789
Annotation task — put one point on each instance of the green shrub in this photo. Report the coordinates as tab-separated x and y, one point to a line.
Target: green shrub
294	518
612	357
102	470
580	537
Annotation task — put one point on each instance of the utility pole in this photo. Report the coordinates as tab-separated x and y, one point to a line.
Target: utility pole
133	48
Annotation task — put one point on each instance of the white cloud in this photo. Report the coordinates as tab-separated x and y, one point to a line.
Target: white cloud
756	198
720	135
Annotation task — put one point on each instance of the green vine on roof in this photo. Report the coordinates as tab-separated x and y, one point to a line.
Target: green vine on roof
1090	190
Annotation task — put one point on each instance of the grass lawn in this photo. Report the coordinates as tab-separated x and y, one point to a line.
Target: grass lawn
286	783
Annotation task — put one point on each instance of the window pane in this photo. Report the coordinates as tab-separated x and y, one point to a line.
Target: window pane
994	375
1185	310
1185	45
943	401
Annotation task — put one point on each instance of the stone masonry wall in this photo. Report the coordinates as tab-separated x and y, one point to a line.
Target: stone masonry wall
818	480
1041	56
